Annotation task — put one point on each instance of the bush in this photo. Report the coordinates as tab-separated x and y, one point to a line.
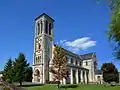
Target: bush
6	88
69	86
52	82
30	85
113	84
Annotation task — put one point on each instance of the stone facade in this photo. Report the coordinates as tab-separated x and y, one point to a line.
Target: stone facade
82	68
99	77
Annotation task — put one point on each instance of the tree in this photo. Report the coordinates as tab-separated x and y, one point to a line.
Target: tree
114	30
28	74
8	71
110	73
20	66
59	67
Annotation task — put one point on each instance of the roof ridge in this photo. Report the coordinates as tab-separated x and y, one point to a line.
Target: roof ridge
45	15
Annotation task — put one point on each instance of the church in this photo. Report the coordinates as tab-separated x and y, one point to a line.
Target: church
82	68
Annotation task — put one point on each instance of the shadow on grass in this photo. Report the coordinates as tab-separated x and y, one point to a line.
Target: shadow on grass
69	86
31	85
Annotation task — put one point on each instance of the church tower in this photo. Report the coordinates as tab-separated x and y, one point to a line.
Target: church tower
43	41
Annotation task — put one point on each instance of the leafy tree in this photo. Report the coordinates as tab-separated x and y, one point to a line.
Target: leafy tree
20	66
8	71
59	67
110	73
28	74
114	5
114	30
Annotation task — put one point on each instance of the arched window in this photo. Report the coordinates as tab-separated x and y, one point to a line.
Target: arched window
37	73
38	26
39	46
76	62
50	27
41	26
66	58
38	59
80	63
46	27
71	61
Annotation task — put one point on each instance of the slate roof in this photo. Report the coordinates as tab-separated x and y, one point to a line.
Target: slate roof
70	52
87	56
82	57
44	14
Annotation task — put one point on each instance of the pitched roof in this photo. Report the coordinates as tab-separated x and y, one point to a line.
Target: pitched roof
82	57
87	56
70	52
44	14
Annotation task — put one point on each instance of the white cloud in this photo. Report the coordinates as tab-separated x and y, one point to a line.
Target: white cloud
62	41
79	44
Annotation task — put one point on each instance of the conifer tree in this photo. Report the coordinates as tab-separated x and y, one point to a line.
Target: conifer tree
20	67
28	74
8	71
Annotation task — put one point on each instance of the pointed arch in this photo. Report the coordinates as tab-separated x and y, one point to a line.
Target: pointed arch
38	28
50	27
37	72
46	27
41	25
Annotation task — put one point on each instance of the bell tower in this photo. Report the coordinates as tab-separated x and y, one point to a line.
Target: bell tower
43	41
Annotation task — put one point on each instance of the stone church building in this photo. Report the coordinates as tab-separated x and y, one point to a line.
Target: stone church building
82	68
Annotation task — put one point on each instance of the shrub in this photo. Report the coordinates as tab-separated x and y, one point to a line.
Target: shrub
52	82
113	84
30	85
69	86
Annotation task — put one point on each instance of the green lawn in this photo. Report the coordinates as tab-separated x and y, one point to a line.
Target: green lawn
80	87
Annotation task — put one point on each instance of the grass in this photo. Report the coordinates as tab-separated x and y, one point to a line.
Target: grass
80	87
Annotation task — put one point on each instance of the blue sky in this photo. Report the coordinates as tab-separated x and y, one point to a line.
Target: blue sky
74	20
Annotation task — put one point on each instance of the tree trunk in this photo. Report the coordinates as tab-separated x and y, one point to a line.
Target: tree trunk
20	83
58	84
59	77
